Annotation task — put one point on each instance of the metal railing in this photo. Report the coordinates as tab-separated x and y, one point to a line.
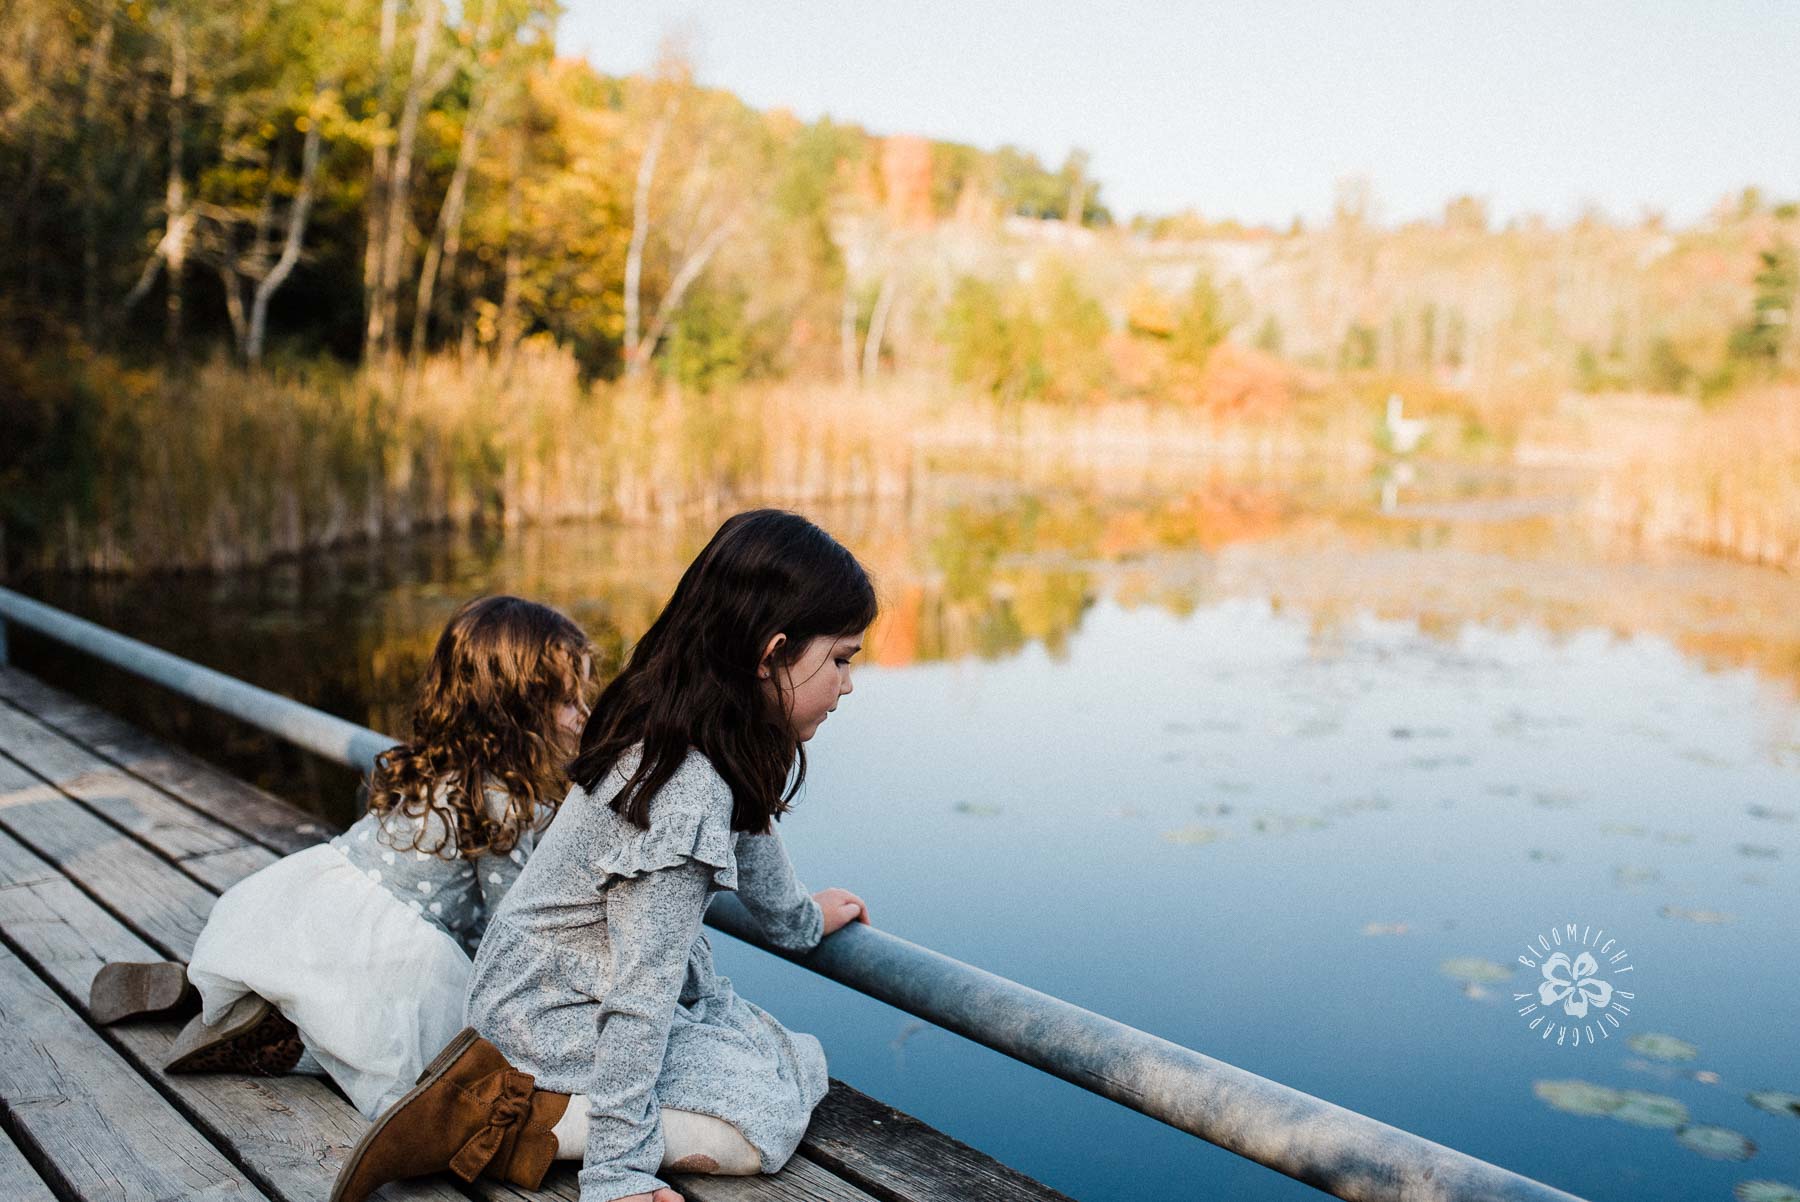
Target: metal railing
1336	1150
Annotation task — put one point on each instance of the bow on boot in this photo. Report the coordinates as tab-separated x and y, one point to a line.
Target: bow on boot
471	1113
504	1113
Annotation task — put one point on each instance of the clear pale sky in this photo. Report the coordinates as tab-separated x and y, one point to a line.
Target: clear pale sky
1254	109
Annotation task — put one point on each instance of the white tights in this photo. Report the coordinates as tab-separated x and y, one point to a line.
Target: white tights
692	1143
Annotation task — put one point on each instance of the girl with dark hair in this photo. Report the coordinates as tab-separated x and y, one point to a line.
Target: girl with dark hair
352	957
599	1030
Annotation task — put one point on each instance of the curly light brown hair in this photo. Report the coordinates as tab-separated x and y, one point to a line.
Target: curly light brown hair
486	716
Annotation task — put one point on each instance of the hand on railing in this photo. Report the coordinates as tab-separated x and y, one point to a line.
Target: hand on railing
841	906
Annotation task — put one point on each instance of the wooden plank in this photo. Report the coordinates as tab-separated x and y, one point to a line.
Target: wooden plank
144	891
19	1182
157	820
259	816
91	1124
292	1133
897	1158
800	1180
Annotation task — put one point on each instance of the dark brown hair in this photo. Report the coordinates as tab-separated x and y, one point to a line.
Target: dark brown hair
691	681
485	716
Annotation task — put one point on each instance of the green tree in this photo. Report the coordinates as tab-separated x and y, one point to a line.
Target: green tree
1359	349
985	334
1070	356
1200	325
1764	342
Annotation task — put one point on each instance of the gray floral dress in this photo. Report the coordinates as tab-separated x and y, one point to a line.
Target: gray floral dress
595	977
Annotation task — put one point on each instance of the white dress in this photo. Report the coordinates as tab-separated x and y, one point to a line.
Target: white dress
362	943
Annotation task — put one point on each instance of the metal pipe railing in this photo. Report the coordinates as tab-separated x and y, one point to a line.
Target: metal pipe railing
332	738
1336	1150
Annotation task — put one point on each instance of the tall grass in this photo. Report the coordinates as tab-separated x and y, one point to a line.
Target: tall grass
220	467
113	469
1727	482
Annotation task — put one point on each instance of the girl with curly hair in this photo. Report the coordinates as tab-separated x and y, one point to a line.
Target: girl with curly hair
352	957
599	1031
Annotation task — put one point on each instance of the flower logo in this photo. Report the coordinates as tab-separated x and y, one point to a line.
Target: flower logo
1570	959
1576	984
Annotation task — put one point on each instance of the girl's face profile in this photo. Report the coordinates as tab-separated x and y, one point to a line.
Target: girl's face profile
572	714
811	685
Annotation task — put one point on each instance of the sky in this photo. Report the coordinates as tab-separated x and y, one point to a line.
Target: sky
1255	110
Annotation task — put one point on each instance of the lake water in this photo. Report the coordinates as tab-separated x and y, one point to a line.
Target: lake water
1291	772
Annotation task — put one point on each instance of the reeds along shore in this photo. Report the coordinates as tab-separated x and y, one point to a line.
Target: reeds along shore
1727	483
230	468
222	467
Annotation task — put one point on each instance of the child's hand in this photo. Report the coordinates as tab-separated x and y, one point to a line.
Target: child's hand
662	1195
840	906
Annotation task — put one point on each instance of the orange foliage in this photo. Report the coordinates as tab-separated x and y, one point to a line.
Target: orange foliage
906	179
895	640
1209	519
1243	381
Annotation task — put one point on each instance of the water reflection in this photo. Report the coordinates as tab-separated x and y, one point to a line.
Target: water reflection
985	571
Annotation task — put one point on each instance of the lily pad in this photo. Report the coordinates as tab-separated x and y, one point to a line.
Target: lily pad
976	809
1579	1097
1475	970
1776	1101
1715	1143
1286	824
1194	835
1764	1191
1651	1110
1708	918
1662	1047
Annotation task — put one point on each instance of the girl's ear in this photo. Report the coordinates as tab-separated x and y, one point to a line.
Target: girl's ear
762	668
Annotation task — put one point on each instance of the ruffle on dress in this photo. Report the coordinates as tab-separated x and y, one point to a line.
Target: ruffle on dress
690	819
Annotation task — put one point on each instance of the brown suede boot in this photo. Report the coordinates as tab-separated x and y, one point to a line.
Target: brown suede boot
252	1036
125	989
471	1113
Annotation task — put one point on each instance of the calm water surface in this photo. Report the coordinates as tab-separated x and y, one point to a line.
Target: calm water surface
1290	773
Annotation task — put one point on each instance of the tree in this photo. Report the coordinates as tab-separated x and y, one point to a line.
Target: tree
1766	340
507	38
688	204
1200	325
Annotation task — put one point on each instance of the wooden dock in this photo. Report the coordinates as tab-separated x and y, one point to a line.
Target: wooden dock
113	845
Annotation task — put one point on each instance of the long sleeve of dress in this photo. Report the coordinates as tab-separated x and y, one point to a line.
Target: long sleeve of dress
775	898
652	921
